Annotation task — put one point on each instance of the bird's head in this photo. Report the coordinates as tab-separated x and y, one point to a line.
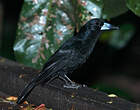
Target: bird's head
98	25
94	24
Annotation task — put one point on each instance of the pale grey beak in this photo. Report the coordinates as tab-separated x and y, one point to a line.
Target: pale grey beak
108	26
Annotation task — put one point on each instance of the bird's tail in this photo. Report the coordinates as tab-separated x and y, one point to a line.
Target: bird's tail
26	91
43	76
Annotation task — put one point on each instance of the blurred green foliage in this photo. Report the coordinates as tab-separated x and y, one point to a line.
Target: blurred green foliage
119	38
45	24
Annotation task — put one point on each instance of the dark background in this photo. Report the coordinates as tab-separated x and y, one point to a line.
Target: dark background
106	68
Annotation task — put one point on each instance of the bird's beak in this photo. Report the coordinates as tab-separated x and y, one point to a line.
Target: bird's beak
108	26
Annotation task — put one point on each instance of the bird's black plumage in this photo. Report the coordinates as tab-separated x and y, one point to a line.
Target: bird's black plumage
68	57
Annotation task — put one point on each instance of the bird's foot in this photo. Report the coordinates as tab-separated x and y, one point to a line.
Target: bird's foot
72	85
68	82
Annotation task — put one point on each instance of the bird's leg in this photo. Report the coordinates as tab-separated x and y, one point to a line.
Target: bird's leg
68	82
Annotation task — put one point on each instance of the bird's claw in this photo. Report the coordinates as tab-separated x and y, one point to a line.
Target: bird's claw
72	85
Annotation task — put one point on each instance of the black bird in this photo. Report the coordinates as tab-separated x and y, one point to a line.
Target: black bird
69	56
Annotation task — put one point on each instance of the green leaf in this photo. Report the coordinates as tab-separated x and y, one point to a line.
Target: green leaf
113	8
134	6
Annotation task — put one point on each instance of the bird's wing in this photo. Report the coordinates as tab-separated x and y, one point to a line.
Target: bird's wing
55	63
57	59
60	56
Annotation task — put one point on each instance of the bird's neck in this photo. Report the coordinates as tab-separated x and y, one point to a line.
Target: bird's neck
89	36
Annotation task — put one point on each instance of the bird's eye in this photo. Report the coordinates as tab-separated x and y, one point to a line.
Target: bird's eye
100	25
97	23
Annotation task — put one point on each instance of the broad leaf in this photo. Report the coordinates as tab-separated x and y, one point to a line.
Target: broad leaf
134	5
113	8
